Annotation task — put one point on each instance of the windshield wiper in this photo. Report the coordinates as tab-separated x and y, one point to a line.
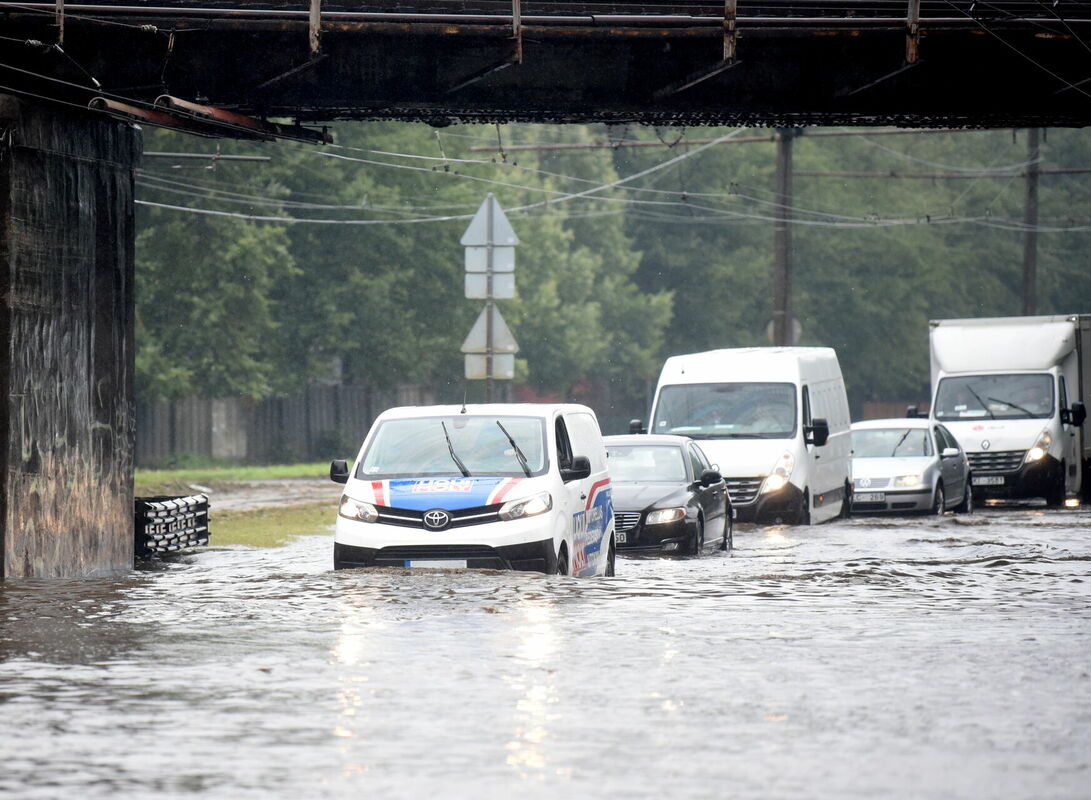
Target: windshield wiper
981	402
451	450
518	453
1010	404
899	444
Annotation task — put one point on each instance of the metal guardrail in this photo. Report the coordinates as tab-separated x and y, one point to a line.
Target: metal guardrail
170	524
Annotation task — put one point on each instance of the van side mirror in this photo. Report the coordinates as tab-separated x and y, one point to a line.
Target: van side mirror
817	433
1074	415
580	469
339	471
636	426
912	412
710	476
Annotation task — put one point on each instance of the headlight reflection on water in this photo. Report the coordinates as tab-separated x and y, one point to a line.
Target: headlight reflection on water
537	646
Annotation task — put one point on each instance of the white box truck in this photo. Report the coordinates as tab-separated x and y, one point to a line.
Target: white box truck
775	421
1014	392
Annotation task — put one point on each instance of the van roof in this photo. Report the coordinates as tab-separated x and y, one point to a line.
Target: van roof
483	409
751	364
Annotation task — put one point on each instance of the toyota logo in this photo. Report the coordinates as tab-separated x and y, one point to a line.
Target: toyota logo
437	519
986	444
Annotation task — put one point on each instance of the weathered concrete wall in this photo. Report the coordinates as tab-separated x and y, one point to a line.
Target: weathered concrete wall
66	342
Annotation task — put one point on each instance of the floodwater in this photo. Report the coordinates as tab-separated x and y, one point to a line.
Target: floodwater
913	658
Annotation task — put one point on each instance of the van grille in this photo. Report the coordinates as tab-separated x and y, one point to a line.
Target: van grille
408	518
626	520
743	490
1000	461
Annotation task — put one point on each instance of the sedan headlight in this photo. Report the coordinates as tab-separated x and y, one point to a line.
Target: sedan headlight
357	510
779	474
1041	447
527	507
663	515
907	480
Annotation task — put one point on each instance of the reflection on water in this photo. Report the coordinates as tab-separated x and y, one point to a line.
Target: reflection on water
908	658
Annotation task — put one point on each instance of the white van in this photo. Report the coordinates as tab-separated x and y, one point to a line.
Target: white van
775	420
494	486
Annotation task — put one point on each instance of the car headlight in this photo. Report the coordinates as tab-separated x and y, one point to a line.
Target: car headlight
779	474
357	510
664	515
527	507
1041	447
907	480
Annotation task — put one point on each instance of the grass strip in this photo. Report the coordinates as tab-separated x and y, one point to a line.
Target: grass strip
152	482
271	527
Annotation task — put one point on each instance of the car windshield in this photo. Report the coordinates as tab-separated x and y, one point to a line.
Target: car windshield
453	447
727	410
891	442
646	463
995	397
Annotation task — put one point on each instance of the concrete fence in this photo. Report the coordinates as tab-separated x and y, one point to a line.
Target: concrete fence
321	423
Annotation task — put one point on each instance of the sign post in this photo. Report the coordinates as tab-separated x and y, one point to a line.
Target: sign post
490	274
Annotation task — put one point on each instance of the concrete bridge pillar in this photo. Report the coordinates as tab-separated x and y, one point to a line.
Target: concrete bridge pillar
66	342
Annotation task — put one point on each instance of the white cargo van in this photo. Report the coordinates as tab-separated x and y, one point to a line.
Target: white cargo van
774	419
1014	392
492	486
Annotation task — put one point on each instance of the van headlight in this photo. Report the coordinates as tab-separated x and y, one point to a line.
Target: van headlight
779	474
357	510
906	481
662	516
1041	447
527	507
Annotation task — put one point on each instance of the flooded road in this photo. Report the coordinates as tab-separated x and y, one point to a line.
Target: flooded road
923	658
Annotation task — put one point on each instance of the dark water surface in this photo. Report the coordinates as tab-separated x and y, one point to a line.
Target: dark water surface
916	658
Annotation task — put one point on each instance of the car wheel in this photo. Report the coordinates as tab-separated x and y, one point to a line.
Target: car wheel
562	560
939	501
967	504
728	542
698	543
610	559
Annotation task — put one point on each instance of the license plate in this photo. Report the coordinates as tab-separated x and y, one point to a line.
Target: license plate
988	480
621	537
869	497
436	564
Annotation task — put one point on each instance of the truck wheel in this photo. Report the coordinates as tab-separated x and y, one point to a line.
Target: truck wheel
805	511
1055	497
610	559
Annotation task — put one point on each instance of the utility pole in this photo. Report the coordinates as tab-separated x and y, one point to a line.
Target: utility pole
1030	219
783	333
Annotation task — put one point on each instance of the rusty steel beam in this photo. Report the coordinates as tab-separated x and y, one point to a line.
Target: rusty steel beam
241	125
160	119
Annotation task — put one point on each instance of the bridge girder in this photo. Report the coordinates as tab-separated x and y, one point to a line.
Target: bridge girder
364	61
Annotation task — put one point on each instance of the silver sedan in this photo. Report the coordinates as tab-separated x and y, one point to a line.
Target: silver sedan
908	465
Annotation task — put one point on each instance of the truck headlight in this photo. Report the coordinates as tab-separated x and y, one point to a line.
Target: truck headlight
663	515
907	480
527	507
357	510
779	474
1041	447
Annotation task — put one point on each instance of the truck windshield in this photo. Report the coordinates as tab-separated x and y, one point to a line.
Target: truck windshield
995	397
727	410
422	447
891	443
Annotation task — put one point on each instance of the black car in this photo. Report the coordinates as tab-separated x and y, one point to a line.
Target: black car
667	497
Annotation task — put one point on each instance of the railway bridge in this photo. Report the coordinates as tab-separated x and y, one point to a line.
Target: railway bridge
75	77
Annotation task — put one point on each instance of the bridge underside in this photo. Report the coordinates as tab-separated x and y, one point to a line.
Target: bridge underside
846	64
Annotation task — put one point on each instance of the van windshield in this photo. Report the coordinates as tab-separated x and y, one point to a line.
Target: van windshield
477	446
727	410
995	397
